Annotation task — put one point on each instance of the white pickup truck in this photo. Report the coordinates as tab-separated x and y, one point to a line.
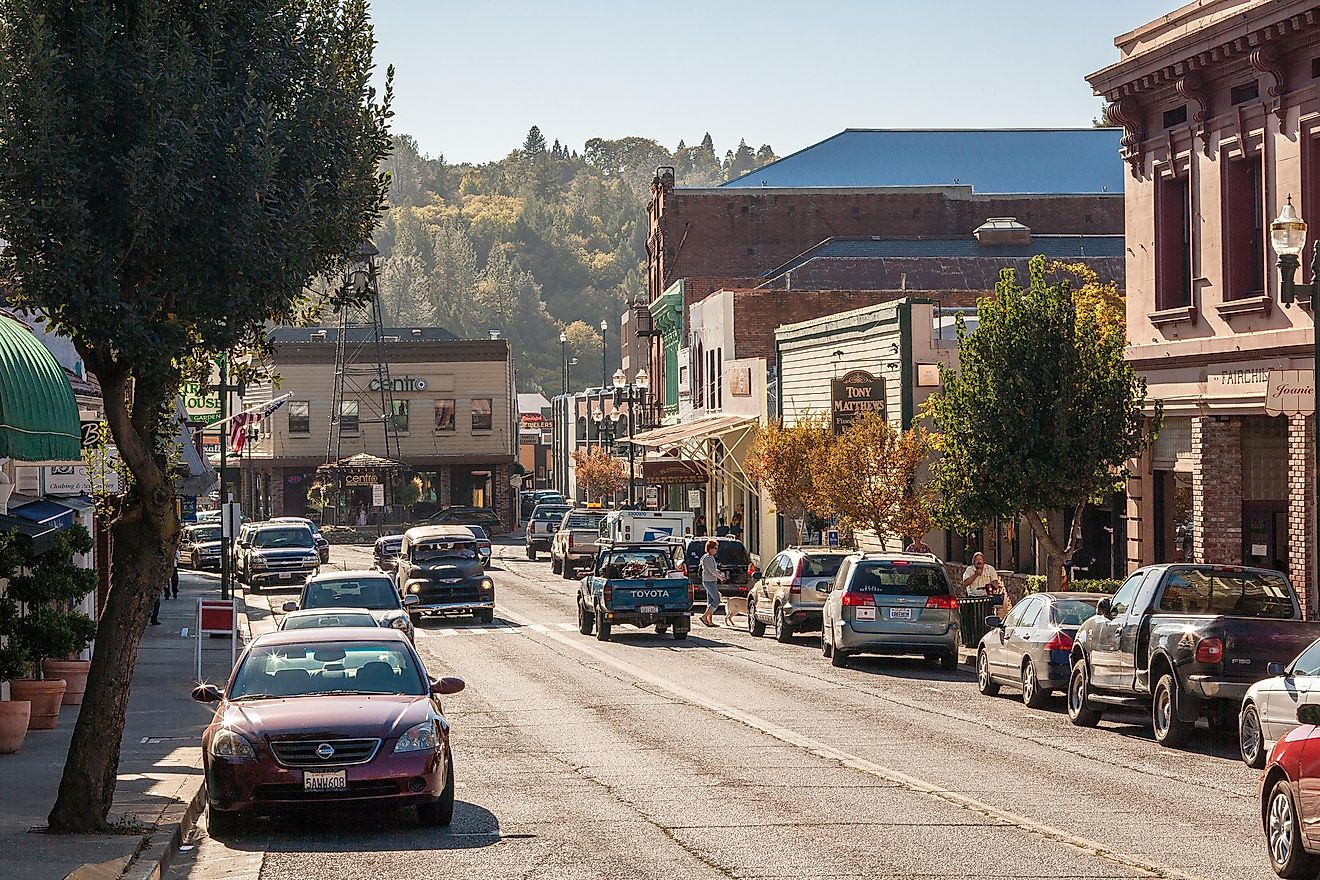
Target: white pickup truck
542	525
575	543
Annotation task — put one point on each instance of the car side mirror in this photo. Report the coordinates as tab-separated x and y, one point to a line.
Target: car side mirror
244	544
410	600
289	606
1104	606
993	622
1309	713
447	685
206	693
1275	668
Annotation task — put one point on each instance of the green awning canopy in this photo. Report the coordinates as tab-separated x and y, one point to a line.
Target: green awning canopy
38	415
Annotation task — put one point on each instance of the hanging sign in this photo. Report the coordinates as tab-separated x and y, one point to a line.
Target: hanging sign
1290	393
856	393
377	495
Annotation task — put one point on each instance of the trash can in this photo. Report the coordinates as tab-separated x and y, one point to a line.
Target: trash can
972	612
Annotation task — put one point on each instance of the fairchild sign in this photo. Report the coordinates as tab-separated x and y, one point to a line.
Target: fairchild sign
856	393
1290	393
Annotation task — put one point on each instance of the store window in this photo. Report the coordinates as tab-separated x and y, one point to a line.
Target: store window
1173	243
1244	229
400	412
300	417
444	415
348	416
481	414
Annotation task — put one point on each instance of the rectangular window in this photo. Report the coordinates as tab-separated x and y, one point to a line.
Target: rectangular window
481	414
1244	229
1176	116
400	408
1173	243
348	416
1245	92
444	415
300	417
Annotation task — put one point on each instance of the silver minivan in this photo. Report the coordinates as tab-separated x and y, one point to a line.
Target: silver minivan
790	594
891	603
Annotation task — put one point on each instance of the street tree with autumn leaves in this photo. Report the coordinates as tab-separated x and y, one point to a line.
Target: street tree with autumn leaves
600	473
787	464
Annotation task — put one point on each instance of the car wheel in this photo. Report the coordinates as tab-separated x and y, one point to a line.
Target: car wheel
1251	741
1079	688
826	649
585	621
838	659
783	629
602	627
222	823
440	813
555	565
949	661
1032	695
985	682
754	626
681	632
256	588
566	570
1170	730
484	615
531	553
1283	836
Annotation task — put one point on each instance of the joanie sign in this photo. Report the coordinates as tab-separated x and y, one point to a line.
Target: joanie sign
1290	393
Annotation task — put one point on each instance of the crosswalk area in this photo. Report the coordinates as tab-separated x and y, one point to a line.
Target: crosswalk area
496	628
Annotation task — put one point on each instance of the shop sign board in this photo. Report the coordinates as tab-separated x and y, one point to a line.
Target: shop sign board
673	472
855	393
359	479
403	383
1290	393
377	494
202	402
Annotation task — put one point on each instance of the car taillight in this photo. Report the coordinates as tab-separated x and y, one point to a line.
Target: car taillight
948	603
570	540
1061	642
1210	651
609	593
850	599
795	586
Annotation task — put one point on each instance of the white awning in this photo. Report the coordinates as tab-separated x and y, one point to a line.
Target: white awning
700	429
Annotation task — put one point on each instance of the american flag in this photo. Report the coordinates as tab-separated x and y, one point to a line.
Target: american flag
239	423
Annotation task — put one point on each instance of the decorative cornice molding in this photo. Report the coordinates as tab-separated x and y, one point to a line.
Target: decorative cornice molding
1192	88
1126	113
1268	59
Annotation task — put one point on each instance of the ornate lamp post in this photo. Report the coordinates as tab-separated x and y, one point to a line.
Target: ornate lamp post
604	328
563	358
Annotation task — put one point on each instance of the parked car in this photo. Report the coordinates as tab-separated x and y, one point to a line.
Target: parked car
1289	810
439	566
324	717
466	516
1184	641
320	618
790	594
200	546
1030	648
731	558
484	548
244	533
385	553
358	589
532	499
542	525
891	603
637	585
576	540
1269	709
277	554
322	545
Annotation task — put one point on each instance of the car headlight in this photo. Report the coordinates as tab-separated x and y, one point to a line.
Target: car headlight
419	738
487	584
228	744
415	587
399	623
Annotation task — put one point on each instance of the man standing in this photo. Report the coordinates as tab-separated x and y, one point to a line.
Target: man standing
918	545
710	580
980	579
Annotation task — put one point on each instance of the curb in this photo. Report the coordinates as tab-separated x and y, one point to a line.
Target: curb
155	861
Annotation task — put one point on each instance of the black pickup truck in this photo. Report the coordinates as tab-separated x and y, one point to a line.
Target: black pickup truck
1184	641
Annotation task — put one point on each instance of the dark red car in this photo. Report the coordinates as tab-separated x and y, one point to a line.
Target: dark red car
1290	798
328	716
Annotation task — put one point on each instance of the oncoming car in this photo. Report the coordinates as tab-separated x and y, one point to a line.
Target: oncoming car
320	618
369	590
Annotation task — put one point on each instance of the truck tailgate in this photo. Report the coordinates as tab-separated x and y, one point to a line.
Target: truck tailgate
664	594
1252	643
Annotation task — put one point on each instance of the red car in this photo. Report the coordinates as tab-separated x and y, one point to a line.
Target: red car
1290	798
328	716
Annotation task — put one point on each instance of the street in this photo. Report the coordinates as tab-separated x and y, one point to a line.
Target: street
729	756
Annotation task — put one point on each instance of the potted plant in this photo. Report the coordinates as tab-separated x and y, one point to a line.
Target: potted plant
14	714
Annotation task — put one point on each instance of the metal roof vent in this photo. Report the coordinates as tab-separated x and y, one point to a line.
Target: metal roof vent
1002	230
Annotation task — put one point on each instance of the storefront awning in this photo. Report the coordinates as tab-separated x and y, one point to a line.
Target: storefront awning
677	435
38	413
46	513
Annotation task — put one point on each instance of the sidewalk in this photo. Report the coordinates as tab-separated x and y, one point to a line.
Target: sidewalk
159	793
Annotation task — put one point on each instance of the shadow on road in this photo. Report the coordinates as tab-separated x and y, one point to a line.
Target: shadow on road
348	829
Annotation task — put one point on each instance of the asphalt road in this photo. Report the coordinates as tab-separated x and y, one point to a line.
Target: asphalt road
729	756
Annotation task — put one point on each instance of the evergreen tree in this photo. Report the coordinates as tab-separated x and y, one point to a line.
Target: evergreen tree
534	145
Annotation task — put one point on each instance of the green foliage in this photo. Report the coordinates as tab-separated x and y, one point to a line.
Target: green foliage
1036	583
14	662
49	585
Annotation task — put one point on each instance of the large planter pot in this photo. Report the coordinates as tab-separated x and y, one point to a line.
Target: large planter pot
74	673
15	716
45	697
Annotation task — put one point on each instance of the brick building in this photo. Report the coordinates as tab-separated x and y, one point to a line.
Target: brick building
1220	108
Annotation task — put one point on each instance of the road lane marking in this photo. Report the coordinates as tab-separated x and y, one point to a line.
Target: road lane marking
863	765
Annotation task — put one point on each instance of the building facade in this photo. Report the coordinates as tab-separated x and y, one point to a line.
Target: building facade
1220	108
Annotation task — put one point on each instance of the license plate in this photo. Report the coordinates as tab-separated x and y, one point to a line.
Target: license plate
335	780
864	613
649	609
900	613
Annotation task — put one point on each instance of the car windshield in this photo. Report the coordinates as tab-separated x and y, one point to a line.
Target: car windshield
826	565
1073	612
727	553
330	618
547	514
376	592
391	546
315	668
298	536
898	578
477	532
1234	593
587	521
433	552
209	533
632	564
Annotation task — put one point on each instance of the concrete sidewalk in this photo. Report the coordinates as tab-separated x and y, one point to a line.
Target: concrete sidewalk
159	792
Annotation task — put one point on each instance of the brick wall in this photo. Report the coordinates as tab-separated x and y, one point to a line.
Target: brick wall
756	313
1301	509
1217	489
920	274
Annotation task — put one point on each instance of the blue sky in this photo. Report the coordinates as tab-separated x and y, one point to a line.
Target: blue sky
471	77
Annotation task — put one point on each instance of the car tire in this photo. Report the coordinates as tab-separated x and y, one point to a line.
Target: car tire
602	627
985	682
586	623
681	632
256	588
440	813
484	615
1033	697
949	661
555	565
1170	730
1251	739
566	570
1283	835
754	626
221	824
531	553
1079	688
838	659
783	629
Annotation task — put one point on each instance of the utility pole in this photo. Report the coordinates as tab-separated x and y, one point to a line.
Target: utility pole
226	539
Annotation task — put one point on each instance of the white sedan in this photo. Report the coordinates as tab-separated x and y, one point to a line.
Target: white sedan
1269	710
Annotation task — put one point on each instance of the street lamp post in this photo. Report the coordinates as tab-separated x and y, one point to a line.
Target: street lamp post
563	358
604	327
1288	236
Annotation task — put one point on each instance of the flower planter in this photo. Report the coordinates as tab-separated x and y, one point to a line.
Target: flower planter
45	697
15	716
74	673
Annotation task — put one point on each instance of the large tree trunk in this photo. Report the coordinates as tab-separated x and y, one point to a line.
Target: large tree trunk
1059	546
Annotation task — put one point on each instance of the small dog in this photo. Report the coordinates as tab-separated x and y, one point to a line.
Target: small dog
734	605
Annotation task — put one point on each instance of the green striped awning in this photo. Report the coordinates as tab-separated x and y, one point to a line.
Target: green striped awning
38	415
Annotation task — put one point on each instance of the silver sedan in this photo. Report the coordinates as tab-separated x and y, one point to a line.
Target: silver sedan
1269	710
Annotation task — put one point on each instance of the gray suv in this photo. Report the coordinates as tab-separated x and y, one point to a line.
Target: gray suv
791	593
891	603
277	554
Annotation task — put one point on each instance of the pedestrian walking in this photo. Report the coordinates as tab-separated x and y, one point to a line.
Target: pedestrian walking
173	591
736	524
711	578
721	528
699	525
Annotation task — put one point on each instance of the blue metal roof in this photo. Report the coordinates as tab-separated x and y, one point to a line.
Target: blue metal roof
1056	246
1082	160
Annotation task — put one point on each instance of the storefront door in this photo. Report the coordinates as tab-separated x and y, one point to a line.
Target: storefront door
1265	534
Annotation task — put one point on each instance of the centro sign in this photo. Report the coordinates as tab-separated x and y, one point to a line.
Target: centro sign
406	383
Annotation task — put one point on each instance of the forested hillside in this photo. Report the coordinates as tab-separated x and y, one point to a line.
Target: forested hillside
542	241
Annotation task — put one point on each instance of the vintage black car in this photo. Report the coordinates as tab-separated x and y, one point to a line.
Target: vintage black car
442	567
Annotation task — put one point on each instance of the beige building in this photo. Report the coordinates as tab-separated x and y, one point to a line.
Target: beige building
454	411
